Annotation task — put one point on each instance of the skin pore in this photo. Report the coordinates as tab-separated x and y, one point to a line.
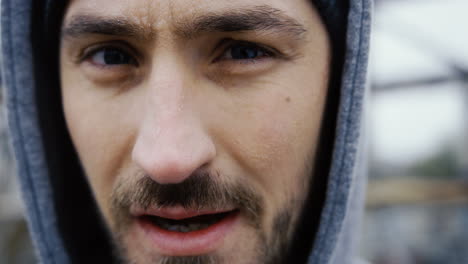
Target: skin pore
186	108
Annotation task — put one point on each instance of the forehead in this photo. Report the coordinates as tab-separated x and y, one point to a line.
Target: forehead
159	14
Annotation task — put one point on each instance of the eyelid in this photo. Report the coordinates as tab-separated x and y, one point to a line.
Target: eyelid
123	46
226	44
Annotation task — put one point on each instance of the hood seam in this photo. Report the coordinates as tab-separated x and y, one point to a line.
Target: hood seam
341	161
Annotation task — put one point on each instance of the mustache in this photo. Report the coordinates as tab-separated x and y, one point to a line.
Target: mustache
202	190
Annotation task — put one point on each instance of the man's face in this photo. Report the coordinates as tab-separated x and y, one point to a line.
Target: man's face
196	122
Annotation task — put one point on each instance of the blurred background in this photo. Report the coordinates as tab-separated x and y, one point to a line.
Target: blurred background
417	203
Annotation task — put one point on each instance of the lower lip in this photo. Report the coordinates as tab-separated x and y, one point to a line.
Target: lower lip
199	242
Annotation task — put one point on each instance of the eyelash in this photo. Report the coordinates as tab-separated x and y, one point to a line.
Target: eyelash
225	45
229	44
123	48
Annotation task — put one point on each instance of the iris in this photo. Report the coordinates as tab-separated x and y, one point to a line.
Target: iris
111	56
246	52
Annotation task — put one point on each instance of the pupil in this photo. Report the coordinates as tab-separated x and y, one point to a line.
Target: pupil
113	56
243	52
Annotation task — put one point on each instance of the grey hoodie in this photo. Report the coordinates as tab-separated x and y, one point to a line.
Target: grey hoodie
63	219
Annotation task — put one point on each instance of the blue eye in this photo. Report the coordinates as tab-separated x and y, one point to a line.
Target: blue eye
111	56
244	51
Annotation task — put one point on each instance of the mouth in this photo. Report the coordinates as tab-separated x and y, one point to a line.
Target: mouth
191	224
180	232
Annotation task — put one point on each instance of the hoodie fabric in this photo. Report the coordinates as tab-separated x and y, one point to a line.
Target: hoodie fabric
61	212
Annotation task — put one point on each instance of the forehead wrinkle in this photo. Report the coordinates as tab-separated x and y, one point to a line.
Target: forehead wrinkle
257	18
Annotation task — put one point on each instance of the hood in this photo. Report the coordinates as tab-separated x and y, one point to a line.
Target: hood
60	210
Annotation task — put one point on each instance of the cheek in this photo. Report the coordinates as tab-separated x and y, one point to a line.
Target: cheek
286	137
279	132
276	143
101	133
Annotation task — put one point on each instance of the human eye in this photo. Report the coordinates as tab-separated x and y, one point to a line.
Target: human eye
109	56
110	62
244	52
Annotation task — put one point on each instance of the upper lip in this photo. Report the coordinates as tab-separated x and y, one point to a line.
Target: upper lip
177	212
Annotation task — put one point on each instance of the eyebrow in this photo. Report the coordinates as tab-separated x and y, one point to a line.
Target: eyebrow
89	24
258	18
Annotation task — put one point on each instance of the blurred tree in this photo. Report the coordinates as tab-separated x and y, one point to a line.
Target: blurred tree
443	164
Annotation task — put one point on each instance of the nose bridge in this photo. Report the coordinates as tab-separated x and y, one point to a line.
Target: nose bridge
166	86
168	105
171	142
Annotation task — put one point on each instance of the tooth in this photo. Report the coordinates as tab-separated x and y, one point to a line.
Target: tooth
166	226
184	229
194	227
172	228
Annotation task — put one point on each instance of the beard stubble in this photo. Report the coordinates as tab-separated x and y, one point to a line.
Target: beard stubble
201	190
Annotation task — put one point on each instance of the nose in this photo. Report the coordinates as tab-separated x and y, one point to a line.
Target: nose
171	143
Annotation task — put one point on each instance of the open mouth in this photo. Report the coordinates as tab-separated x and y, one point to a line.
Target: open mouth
186	225
176	231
